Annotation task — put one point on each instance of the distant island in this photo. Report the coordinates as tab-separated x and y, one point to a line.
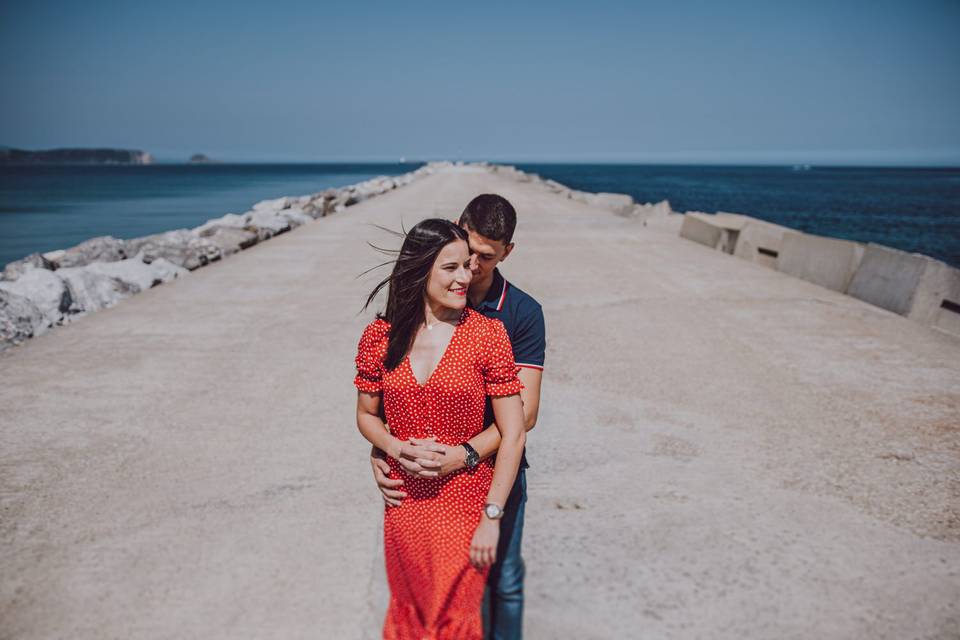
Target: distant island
199	158
9	155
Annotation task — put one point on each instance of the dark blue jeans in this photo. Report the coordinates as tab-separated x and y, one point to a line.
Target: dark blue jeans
503	598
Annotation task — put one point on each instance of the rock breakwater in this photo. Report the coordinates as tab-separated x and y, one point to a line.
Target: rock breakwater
42	291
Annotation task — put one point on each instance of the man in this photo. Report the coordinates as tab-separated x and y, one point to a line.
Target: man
490	221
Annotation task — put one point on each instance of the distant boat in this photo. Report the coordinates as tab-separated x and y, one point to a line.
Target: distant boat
403	159
801	167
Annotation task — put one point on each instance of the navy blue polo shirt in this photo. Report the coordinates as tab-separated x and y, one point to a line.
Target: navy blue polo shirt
522	317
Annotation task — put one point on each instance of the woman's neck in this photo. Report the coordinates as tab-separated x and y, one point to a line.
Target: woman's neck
433	315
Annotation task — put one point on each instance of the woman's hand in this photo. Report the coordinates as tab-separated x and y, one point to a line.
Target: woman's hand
421	457
483	547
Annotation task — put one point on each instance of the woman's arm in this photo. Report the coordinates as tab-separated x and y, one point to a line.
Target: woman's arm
508	411
371	425
373	428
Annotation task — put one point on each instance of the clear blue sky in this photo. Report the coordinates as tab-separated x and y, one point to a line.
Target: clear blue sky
767	81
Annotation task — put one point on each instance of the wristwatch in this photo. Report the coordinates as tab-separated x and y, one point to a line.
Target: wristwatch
493	511
472	458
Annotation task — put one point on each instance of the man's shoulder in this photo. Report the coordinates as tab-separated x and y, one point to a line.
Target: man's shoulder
522	303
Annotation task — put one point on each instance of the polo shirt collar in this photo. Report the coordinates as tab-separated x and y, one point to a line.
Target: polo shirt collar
497	293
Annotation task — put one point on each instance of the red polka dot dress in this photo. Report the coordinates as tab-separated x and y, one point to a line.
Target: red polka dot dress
434	591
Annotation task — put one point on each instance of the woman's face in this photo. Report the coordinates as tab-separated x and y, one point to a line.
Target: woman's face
450	276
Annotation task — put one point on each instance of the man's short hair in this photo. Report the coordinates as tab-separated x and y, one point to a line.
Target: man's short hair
491	216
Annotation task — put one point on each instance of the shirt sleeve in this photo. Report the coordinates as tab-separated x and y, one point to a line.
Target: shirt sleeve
499	371
529	338
370	353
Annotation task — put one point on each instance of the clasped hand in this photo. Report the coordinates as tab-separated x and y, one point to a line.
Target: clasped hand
420	458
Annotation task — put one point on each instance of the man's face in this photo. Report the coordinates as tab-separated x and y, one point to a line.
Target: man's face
486	254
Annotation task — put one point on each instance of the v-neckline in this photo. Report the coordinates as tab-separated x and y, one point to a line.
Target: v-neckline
443	355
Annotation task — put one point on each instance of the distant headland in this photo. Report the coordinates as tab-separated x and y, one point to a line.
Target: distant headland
9	155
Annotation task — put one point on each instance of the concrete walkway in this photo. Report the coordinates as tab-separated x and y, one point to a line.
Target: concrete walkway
723	451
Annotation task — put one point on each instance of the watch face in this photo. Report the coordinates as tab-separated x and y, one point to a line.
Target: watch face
472	458
493	511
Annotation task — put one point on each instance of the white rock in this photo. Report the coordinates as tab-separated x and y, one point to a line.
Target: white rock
15	269
45	289
92	290
134	271
295	216
274	205
55	256
267	223
19	319
180	247
229	220
231	239
100	249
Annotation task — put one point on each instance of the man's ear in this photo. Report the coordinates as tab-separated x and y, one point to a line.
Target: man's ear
506	251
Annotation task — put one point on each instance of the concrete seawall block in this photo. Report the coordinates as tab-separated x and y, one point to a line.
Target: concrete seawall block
937	302
700	227
718	231
760	241
910	284
828	262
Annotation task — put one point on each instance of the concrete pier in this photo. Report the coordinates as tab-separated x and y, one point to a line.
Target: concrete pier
723	451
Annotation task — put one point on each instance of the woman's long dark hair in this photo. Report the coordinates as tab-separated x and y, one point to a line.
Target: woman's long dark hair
408	283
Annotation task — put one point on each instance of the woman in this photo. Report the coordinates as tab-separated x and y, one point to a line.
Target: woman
429	362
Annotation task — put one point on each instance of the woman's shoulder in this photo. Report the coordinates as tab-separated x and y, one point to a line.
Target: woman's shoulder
481	323
377	330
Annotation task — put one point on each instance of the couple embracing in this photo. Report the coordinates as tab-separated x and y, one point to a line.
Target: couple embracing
447	376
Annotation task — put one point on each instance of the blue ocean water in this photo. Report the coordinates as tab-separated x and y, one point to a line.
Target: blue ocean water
43	208
55	207
913	209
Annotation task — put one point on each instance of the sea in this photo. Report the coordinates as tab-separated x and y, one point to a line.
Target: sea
43	208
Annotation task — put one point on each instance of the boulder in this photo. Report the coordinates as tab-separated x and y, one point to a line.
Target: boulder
230	239
93	290
229	220
295	216
19	319
181	247
315	208
44	289
100	249
267	223
274	205
15	269
135	272
55	256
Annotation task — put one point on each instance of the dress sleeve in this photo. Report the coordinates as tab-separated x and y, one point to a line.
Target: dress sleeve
370	353
499	370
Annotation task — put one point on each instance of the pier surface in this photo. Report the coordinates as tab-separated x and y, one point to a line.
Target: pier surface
723	451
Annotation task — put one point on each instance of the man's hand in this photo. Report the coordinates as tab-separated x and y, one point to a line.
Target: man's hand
390	489
450	459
